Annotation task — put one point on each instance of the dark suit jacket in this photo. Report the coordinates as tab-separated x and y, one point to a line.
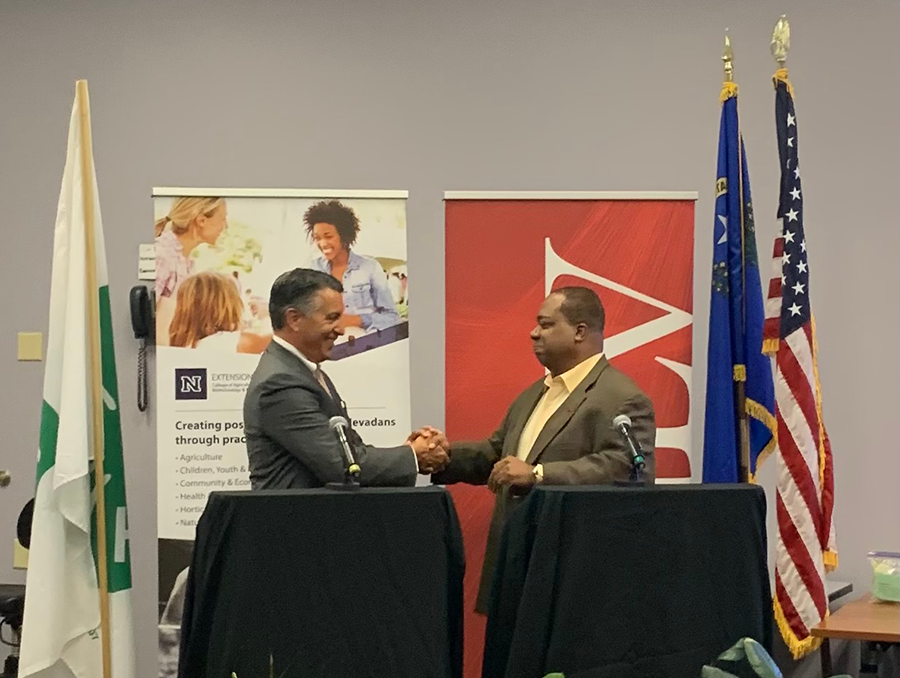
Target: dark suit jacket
577	446
289	444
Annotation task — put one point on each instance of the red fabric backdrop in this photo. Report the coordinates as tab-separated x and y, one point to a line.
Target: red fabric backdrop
496	267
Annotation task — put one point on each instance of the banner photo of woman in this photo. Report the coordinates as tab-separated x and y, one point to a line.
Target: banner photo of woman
217	254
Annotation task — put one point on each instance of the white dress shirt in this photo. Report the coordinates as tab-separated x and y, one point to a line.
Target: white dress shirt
558	389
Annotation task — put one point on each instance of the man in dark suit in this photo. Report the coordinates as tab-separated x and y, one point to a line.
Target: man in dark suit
290	400
559	430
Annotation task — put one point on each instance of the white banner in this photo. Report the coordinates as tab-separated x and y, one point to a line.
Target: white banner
217	254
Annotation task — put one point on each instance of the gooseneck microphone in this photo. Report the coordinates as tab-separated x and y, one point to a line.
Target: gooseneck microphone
622	424
351	471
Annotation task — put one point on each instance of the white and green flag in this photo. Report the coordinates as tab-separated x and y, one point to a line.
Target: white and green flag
61	635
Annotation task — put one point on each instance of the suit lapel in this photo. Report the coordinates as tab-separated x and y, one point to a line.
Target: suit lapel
333	403
335	397
562	416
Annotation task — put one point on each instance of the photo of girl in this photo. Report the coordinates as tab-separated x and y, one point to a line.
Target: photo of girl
188	223
209	315
368	302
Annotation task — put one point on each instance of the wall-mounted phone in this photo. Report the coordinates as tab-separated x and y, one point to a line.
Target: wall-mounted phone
143	322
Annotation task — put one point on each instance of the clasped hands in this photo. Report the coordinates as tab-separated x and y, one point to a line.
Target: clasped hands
432	449
433	453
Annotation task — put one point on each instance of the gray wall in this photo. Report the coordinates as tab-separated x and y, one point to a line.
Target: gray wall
430	96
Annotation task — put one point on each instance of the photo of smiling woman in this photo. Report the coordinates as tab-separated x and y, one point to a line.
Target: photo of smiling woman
368	302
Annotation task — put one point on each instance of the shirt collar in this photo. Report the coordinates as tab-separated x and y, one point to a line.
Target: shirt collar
573	377
354	262
293	349
168	236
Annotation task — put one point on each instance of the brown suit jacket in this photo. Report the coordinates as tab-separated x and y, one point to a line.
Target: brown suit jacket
577	446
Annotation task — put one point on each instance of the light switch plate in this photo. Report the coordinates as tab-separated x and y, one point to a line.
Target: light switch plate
20	556
30	347
147	262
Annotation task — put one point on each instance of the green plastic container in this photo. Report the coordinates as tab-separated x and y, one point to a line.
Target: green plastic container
885	575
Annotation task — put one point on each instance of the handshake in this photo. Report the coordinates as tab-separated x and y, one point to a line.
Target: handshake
432	449
433	454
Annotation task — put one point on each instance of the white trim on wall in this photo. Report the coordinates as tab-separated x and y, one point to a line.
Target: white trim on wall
177	192
571	195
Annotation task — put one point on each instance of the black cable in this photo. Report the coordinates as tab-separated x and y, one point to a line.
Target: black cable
142	388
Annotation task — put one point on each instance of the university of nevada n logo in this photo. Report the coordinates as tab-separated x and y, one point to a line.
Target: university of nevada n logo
190	383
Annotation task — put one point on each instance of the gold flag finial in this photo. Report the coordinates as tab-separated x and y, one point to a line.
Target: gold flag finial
727	59
781	40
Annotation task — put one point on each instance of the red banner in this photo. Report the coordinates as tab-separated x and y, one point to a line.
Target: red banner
502	258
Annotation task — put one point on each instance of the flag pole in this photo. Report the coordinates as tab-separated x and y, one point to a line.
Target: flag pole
740	375
96	382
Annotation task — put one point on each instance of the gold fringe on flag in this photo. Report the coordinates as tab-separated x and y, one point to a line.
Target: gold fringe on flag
762	415
829	556
799	647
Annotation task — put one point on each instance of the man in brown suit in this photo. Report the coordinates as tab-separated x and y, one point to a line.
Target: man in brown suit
559	430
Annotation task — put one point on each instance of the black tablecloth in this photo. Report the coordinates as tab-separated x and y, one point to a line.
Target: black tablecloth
628	582
330	584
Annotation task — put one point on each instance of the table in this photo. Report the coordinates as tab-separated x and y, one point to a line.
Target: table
628	582
865	619
322	582
354	345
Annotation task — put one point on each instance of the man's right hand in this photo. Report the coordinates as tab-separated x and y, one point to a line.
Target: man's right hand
435	437
431	454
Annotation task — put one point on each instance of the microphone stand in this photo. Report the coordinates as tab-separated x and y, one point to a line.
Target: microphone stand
351	481
636	477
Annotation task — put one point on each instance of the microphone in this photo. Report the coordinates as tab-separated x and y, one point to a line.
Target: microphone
339	425
622	424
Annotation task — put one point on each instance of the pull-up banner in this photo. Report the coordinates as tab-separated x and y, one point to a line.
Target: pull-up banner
217	254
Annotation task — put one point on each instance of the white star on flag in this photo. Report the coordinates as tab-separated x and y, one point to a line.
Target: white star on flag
795	194
801	267
786	257
792	215
791	142
798	288
803	246
724	237
794	309
789	236
797	172
790	119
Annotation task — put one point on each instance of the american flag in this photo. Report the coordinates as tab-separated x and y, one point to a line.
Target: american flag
805	548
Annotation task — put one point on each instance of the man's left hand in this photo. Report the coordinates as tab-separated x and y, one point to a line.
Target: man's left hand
512	472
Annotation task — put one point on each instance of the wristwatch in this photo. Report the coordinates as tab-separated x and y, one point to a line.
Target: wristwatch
538	472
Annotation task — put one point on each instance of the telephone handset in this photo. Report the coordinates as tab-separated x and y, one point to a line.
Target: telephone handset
143	322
